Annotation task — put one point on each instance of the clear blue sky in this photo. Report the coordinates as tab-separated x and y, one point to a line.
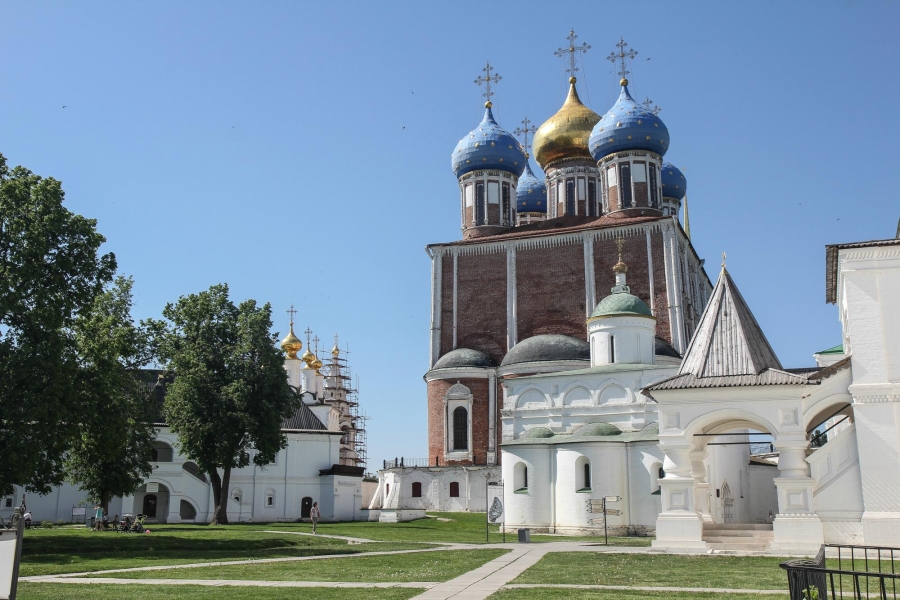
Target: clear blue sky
301	151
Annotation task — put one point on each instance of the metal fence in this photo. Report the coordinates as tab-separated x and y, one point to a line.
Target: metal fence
840	571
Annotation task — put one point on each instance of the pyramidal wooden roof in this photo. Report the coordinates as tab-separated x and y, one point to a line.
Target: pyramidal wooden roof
729	348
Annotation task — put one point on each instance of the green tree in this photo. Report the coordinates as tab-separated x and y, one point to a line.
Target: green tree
230	393
50	273
111	454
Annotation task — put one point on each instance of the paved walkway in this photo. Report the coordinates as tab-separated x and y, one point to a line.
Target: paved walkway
349	540
489	578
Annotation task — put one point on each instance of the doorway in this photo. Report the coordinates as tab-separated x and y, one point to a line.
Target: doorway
305	507
149	507
727	504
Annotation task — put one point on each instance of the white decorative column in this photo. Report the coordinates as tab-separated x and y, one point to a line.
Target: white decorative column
650	272
590	289
455	292
678	526
437	260
797	527
511	323
492	419
701	485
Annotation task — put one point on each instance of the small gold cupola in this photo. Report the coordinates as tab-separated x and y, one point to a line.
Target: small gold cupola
291	344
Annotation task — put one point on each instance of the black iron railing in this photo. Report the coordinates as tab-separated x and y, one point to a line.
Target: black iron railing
839	571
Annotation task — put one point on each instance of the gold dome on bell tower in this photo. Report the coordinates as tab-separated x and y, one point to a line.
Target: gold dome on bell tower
291	344
564	136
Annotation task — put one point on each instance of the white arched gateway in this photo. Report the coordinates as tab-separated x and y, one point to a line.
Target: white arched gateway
731	381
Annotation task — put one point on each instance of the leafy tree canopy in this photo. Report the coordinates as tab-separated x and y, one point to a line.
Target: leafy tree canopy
50	273
230	393
111	454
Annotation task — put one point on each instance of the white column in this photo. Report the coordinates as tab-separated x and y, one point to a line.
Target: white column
492	419
650	272
797	527
590	289
679	525
701	485
678	290
670	289
437	261
455	290
511	323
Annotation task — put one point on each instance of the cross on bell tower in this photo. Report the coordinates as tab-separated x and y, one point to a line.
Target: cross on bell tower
307	332
524	132
622	57
572	50
487	80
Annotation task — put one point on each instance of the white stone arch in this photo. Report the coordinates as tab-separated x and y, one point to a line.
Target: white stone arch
822	409
533	397
614	393
193	504
724	420
577	392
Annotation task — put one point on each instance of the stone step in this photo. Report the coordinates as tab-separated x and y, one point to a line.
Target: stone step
738	526
737	533
717	547
738	539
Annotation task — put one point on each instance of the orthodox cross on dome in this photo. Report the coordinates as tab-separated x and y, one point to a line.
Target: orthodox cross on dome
622	57
655	110
524	132
307	332
316	342
291	312
572	50
487	80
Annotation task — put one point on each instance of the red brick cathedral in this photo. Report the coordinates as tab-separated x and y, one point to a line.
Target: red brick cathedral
536	256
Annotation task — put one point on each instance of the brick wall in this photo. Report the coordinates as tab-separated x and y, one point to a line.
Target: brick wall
437	420
550	291
481	299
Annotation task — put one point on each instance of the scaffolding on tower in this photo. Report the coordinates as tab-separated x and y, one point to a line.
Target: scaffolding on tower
340	392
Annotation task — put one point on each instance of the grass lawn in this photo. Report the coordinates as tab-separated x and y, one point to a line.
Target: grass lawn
570	594
54	591
468	528
71	550
441	565
745	572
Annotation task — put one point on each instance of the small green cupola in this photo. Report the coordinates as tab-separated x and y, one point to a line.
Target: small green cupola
622	328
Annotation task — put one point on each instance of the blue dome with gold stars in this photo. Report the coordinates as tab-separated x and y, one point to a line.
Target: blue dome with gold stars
488	146
628	126
531	192
673	182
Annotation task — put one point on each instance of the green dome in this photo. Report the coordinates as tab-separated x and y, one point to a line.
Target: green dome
596	429
538	432
621	304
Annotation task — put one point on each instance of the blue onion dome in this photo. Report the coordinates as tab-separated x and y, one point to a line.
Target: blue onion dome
628	126
565	135
488	146
531	192
673	182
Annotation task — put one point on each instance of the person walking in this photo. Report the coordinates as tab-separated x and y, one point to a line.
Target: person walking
27	516
98	518
314	515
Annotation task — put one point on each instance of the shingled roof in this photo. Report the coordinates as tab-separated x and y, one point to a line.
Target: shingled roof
729	348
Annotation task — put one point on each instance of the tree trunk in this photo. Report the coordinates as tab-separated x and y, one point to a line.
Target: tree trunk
104	502
220	495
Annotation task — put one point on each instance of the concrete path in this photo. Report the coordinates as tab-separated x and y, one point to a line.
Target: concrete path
349	540
489	578
644	588
241	583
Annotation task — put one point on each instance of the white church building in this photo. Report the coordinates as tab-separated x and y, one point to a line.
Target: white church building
324	462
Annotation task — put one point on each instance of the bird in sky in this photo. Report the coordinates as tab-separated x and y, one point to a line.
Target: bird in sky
64	105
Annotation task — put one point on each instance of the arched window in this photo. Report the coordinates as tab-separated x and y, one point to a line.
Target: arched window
587	476
416	489
662	473
270	498
454	489
612	349
520	477
460	429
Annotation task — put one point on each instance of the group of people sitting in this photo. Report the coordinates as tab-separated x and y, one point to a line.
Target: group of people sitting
128	523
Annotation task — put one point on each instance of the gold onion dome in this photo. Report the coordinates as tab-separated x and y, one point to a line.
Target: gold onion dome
565	135
291	344
620	267
335	352
316	364
308	357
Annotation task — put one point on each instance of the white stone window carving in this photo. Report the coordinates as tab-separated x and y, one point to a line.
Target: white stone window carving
237	495
470	195
611	176
270	498
520	477
458	419
638	173
493	192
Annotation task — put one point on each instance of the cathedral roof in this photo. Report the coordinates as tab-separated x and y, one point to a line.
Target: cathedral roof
673	182
628	126
303	418
488	146
558	225
547	347
464	357
531	193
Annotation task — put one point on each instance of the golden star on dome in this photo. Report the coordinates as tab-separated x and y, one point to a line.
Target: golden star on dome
501	160
648	138
640	122
619	124
611	139
492	144
629	137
